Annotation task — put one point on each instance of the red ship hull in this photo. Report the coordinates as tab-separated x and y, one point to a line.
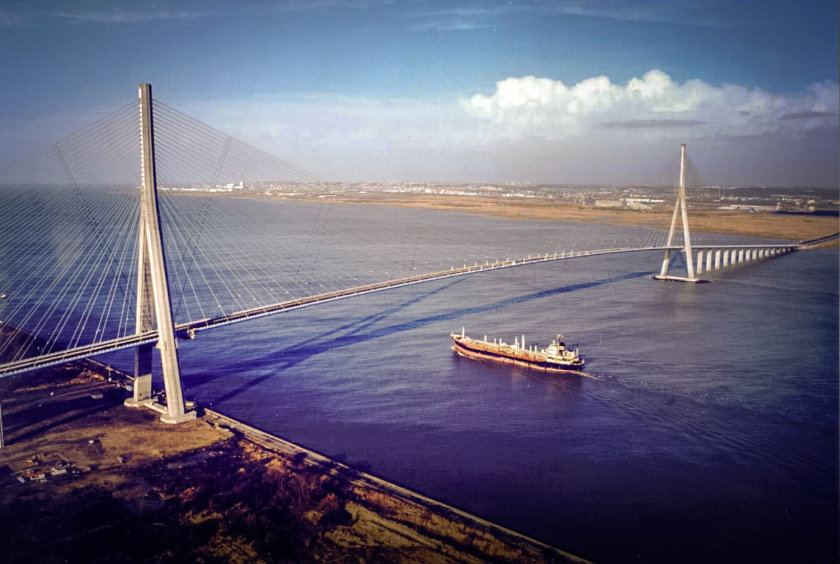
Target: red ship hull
506	354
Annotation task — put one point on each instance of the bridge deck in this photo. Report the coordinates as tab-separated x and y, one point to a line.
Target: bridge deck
188	330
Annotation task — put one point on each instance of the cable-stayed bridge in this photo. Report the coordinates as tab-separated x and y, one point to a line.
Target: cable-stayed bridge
90	263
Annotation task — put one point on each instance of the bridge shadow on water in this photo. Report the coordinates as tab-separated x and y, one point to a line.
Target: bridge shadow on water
359	331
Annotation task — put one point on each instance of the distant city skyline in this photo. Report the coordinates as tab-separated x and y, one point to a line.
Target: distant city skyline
540	91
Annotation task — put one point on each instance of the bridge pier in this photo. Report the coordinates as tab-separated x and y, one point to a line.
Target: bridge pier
699	270
142	394
680	209
153	303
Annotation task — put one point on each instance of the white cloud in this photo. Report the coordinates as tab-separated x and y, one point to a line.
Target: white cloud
121	17
542	130
538	130
636	11
548	108
459	18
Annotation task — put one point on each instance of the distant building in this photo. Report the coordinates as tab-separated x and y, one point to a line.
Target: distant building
636	205
609	204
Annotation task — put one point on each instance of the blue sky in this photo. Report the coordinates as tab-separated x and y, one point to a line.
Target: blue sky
541	91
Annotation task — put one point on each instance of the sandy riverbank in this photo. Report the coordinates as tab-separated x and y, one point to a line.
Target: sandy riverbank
120	485
794	227
784	226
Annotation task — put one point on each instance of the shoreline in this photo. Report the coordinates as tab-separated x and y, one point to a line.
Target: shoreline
365	480
792	227
199	480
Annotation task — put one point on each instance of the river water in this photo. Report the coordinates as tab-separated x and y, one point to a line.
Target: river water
707	429
708	432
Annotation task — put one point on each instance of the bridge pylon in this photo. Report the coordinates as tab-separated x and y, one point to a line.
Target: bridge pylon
154	307
680	209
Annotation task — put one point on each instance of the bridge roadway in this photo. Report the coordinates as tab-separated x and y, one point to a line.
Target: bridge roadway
189	330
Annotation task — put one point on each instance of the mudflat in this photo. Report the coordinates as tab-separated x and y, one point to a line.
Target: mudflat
789	226
795	227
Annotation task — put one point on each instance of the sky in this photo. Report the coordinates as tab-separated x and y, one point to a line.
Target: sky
540	91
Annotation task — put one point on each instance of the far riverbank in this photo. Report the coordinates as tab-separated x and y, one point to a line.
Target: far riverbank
793	227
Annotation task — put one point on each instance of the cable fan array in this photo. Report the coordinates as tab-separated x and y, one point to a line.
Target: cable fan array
68	230
69	217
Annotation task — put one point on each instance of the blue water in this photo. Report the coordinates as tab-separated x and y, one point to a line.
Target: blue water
708	433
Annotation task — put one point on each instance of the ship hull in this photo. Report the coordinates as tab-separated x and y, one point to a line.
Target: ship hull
474	352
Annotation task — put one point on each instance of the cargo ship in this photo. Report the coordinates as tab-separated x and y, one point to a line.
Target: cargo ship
554	358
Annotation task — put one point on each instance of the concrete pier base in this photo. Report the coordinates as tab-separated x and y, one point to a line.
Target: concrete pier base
142	392
178	418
